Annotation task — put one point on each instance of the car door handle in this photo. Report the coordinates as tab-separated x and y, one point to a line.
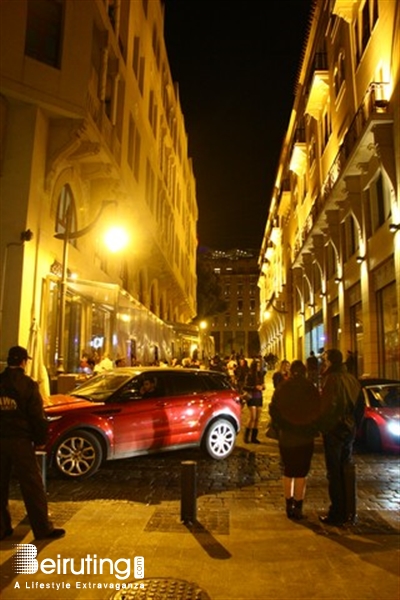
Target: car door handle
107	411
162	403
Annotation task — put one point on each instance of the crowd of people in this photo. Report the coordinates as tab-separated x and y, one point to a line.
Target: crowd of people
312	399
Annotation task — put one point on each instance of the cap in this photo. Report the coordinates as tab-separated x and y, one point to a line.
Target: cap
16	355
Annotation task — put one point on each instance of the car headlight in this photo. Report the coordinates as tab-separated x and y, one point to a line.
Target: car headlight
394	427
53	417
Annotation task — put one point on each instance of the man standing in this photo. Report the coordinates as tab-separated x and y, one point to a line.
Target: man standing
22	426
343	411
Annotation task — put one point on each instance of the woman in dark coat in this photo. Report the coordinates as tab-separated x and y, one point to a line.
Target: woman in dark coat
295	410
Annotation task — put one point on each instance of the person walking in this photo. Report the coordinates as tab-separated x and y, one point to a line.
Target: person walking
295	409
22	426
254	386
343	410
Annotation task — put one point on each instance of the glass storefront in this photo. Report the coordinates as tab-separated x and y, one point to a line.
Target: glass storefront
388	331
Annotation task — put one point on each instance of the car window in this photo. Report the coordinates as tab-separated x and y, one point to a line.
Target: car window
215	381
101	386
146	385
385	396
391	396
187	383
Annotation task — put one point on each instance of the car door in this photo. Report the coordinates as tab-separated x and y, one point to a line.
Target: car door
139	421
182	407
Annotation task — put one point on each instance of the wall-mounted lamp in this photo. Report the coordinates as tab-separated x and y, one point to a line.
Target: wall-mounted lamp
338	279
360	259
393	227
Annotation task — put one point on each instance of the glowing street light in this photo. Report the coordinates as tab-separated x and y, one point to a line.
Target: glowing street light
66	236
116	239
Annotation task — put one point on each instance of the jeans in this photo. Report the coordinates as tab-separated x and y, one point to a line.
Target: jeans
341	475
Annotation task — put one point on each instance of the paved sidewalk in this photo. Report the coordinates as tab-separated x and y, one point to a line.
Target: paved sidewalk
237	550
242	546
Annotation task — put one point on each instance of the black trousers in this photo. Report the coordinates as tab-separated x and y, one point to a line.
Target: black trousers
18	454
341	475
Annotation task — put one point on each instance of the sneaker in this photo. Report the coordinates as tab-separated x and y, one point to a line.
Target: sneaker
52	535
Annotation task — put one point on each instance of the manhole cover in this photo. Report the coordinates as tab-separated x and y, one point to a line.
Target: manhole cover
161	589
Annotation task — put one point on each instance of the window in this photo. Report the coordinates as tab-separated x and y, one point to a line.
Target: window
378	203
350	242
339	73
331	261
44	31
326	126
134	148
364	25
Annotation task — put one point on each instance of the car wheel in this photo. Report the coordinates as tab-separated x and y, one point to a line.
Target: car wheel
219	440
372	436
78	455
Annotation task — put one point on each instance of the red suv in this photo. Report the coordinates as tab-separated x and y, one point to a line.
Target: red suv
131	411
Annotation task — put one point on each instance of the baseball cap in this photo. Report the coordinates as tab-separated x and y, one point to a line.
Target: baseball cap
16	355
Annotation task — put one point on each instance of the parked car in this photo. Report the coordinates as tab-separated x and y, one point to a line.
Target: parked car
134	411
380	430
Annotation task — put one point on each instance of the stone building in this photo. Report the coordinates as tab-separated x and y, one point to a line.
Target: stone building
235	331
330	257
92	134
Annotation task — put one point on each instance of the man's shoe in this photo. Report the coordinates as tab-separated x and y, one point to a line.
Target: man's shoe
329	520
7	533
52	535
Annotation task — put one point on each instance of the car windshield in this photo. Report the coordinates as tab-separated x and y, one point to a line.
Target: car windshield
101	386
385	396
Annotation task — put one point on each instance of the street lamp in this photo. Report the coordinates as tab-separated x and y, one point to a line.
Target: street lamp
66	236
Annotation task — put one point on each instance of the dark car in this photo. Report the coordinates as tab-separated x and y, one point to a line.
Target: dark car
132	411
380	430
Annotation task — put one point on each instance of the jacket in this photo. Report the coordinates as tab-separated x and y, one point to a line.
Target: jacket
296	407
342	401
21	407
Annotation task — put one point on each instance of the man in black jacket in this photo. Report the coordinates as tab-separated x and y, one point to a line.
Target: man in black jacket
343	411
22	427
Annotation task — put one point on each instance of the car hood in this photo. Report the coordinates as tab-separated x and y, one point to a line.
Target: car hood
65	402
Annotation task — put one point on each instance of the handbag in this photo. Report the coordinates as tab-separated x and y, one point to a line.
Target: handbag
272	432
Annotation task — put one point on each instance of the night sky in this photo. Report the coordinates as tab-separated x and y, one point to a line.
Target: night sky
236	64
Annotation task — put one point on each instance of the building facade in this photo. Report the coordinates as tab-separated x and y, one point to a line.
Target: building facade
92	133
235	331
330	257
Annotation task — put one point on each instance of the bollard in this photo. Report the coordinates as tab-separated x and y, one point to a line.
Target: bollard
41	456
188	492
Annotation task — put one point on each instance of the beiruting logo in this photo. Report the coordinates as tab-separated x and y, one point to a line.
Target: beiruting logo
26	563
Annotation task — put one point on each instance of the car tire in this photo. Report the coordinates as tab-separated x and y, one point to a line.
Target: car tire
219	439
372	436
78	455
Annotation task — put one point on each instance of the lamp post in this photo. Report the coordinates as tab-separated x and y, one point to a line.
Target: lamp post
66	236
